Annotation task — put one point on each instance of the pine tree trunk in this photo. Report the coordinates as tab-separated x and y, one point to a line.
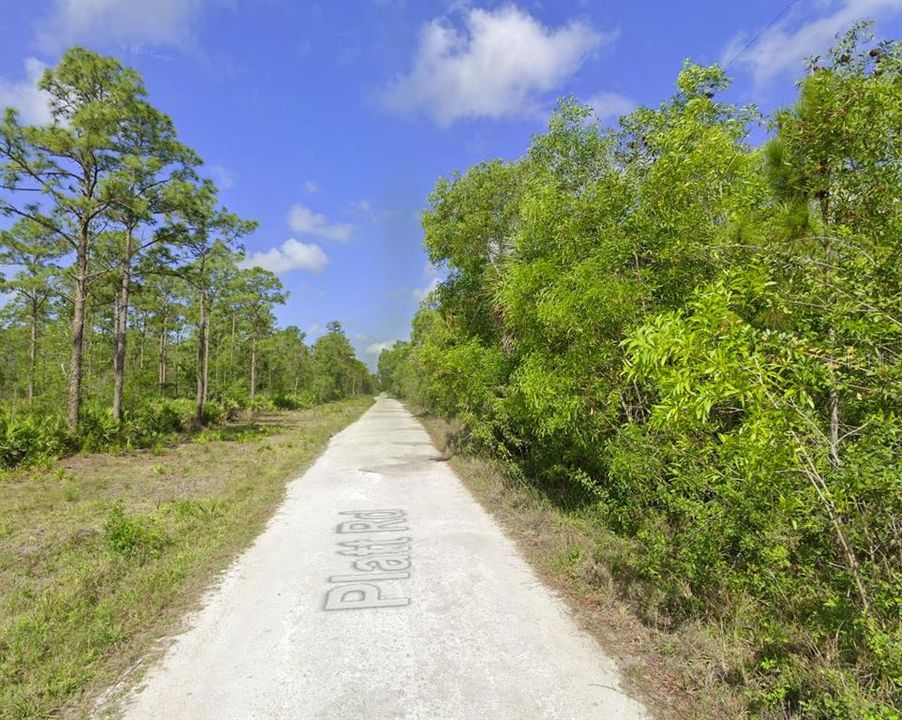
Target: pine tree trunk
218	376
162	370
253	371
32	351
201	368
143	341
121	327
78	330
232	350
207	359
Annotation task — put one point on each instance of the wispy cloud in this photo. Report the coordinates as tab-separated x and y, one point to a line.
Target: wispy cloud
420	294
365	209
782	49
610	106
498	65
311	187
290	255
302	219
430	273
24	95
225	178
377	348
128	22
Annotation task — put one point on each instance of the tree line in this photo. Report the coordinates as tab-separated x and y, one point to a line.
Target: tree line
124	277
694	340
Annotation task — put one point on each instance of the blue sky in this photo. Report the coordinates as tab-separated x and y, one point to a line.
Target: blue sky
329	122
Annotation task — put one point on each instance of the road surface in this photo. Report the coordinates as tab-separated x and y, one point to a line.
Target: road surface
381	590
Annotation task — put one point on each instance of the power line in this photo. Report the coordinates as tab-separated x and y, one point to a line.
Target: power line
758	36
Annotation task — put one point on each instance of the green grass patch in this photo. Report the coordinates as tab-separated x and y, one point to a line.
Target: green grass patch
102	554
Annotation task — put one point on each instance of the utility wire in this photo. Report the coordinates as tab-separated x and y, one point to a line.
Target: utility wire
758	36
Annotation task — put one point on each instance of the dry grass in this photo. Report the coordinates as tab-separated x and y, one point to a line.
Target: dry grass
680	673
86	588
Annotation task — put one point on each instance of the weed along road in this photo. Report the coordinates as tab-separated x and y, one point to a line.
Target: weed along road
381	589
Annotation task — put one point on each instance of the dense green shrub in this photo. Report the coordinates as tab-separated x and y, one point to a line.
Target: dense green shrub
698	342
98	430
26	438
262	403
294	401
135	536
154	420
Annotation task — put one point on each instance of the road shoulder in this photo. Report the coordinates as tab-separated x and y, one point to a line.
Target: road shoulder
673	672
120	548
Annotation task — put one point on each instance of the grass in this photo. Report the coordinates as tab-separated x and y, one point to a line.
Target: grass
690	672
100	555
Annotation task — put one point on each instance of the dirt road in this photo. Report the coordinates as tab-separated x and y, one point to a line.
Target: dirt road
381	589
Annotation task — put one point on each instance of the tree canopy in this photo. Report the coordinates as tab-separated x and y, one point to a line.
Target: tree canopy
129	291
698	341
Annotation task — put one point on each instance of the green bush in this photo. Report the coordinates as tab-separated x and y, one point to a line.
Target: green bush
213	413
155	420
294	401
28	438
25	439
20	438
97	430
140	536
229	401
696	342
263	402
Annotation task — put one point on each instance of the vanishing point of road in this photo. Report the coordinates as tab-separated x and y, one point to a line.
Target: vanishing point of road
381	590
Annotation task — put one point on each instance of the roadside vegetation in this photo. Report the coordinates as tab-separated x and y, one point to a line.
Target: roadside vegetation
689	341
131	321
676	671
130	315
100	555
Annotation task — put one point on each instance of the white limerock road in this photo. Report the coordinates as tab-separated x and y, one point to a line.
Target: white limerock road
382	590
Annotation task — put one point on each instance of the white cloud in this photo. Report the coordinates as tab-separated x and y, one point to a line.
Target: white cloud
783	48
311	187
302	219
135	22
377	348
497	66
610	106
290	255
364	208
420	294
32	103
433	275
225	178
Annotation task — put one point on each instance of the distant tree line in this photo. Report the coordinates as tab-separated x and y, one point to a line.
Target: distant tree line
125	291
698	341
